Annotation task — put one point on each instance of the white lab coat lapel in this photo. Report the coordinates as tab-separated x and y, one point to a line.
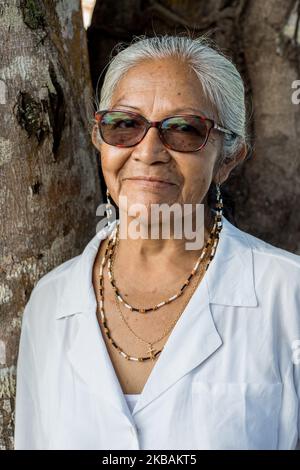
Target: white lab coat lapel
229	280
90	360
193	340
87	352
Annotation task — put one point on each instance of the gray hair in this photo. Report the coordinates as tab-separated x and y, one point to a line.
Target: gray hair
221	82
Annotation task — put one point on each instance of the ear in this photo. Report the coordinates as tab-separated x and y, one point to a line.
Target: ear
229	164
95	138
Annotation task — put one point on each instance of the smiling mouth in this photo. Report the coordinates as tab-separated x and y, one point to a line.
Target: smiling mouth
150	180
151	183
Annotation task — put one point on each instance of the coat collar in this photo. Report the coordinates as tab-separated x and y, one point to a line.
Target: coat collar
78	293
229	279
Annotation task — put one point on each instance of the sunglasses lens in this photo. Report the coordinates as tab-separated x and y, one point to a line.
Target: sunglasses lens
184	133
121	129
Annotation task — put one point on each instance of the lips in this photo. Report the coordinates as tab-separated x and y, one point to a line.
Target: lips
150	179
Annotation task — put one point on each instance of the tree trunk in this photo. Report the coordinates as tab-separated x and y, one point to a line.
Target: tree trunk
272	56
262	37
49	182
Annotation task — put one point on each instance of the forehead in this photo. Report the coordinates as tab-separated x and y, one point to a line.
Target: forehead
166	84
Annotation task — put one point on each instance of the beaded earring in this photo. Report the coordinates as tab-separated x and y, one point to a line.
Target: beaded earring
109	208
219	205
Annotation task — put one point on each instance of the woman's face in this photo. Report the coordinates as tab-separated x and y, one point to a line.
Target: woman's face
157	89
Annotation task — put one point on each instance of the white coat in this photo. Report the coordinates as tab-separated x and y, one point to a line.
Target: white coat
227	378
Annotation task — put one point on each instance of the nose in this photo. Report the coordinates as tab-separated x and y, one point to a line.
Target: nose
151	149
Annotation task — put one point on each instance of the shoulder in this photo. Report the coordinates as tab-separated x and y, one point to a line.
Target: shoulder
44	298
59	275
274	271
55	275
273	267
273	261
51	284
264	252
267	251
68	282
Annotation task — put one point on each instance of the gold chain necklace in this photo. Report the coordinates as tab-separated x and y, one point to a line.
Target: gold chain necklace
166	332
108	252
209	242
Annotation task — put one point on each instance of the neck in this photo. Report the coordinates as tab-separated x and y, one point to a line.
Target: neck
145	251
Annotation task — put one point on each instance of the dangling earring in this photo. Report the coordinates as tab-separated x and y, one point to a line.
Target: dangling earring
219	205
109	209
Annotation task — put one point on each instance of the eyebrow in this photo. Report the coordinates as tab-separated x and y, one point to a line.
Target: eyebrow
173	111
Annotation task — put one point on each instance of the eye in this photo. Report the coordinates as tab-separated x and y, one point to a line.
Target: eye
117	120
182	127
186	128
189	126
123	124
126	123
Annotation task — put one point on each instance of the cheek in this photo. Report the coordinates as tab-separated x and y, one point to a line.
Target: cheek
112	159
197	180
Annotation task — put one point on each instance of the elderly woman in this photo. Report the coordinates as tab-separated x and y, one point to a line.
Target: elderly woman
139	342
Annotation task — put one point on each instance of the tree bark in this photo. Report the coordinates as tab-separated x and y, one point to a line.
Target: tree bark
49	182
262	38
272	57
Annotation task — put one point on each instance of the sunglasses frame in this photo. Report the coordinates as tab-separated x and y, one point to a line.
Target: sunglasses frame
148	124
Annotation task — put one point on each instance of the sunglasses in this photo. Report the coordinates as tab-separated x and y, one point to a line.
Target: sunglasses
182	133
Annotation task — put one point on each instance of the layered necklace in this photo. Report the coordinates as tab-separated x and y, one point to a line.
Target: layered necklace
204	260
